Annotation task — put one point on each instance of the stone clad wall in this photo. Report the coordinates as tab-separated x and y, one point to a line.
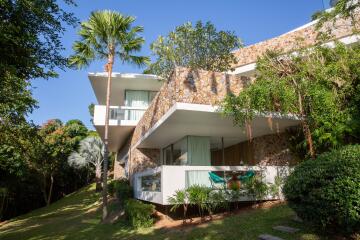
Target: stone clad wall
203	87
187	86
200	87
287	42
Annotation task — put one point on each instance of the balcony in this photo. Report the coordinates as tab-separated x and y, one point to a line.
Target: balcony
119	115
122	121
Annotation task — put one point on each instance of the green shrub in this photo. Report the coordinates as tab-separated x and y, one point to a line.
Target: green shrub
179	199
138	213
123	190
199	196
256	188
326	191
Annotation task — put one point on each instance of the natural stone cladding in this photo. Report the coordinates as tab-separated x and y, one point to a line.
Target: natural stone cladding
203	87
288	42
199	87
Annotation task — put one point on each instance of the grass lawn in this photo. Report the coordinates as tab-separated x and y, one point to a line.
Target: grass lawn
77	217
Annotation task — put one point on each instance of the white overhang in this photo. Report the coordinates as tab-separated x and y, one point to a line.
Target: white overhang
205	120
121	82
118	134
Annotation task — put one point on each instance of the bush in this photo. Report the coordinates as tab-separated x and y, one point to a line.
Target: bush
199	196
123	190
326	191
138	213
256	188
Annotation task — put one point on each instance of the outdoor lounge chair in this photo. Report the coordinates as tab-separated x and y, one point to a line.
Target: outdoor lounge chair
248	175
216	180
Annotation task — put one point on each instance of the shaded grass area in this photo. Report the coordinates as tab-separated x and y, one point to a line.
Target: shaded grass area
77	216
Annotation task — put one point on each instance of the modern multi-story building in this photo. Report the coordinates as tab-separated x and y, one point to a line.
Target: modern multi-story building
168	134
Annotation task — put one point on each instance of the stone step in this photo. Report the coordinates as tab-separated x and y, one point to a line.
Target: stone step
286	229
297	219
268	237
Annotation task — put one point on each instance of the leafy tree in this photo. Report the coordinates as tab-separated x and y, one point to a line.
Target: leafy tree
320	85
106	36
17	177
30	33
199	47
57	143
89	154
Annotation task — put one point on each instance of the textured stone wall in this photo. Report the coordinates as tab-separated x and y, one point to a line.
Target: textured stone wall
287	42
272	150
187	86
203	87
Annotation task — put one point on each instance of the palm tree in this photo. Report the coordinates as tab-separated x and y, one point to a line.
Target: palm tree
90	154
105	36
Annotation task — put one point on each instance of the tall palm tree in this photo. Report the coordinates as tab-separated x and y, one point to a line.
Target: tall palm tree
107	35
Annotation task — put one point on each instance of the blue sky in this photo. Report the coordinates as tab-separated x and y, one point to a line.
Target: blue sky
68	96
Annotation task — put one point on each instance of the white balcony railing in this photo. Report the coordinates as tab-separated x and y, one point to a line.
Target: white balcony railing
158	184
118	114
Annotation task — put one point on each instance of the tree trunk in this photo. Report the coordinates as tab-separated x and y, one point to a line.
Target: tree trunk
305	125
44	188
106	135
98	178
50	190
309	140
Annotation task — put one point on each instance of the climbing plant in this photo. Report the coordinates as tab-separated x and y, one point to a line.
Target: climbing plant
320	85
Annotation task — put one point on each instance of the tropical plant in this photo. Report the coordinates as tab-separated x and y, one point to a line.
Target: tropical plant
199	47
199	197
326	192
275	188
217	199
320	85
256	188
179	199
89	154
106	36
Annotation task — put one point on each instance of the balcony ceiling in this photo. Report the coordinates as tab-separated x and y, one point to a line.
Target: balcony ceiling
204	120
117	135
121	82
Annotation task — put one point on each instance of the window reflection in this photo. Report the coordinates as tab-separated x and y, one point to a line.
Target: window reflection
151	183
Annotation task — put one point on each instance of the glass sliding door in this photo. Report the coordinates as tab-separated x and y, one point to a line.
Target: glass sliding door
190	150
199	151
180	152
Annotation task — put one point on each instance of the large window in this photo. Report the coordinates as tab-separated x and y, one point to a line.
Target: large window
190	150
151	183
138	100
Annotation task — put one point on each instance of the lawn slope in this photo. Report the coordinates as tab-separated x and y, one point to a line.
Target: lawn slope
77	216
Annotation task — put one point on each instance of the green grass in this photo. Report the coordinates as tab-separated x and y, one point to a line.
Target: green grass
77	217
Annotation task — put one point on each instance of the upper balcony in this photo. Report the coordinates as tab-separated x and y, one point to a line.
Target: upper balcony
120	84
131	94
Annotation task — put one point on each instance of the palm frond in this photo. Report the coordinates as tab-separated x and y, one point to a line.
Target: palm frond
108	32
